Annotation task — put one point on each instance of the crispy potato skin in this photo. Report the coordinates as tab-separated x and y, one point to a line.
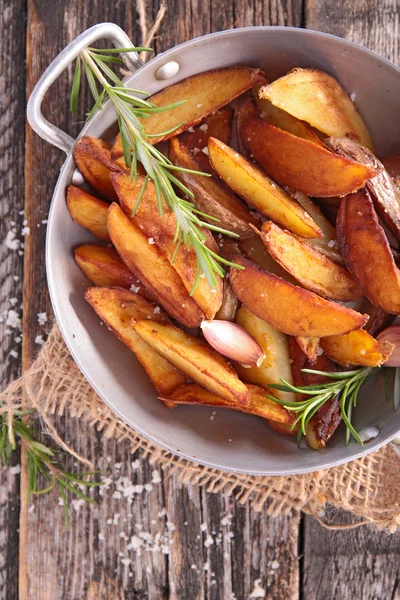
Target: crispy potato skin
259	191
392	166
324	423
230	303
317	98
150	265
279	118
93	159
288	308
88	212
301	164
357	348
314	270
162	229
116	307
309	346
258	404
383	190
103	266
367	253
195	358
218	125
210	196
203	94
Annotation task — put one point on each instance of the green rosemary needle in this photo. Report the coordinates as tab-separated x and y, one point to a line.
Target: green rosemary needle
41	461
131	107
345	385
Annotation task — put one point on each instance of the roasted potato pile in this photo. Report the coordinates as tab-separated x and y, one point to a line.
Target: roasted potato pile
281	161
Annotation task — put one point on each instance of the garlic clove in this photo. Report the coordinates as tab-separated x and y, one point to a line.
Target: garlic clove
392	335
234	342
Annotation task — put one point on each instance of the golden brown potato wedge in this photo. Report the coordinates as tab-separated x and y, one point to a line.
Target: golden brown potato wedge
93	159
103	267
254	249
161	229
210	196
383	190
88	212
357	348
259	191
317	98
310	347
150	265
218	125
288	308
328	243
282	119
201	94
258	403
276	363
314	270
324	423
283	428
367	253
298	163
392	166
117	307
230	303
195	358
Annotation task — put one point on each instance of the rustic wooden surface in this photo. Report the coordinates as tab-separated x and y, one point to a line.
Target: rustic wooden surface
159	539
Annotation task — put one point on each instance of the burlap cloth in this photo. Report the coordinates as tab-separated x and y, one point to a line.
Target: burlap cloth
367	487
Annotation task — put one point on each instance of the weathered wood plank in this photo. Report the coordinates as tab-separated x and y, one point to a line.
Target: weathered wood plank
361	563
12	134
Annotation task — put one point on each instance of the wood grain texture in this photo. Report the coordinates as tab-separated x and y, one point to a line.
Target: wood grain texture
360	563
12	136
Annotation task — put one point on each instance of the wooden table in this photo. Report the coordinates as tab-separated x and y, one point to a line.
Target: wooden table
288	557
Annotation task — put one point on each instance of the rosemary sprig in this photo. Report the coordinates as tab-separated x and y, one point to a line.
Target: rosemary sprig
41	461
345	385
131	107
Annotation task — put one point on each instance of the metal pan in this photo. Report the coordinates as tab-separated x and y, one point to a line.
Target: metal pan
230	440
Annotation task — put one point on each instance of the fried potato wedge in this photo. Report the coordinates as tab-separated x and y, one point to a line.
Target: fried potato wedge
367	253
161	229
150	265
282	119
210	196
117	307
93	159
201	95
298	163
258	403
326	420
230	303
288	308
319	99
328	243
103	266
195	358
254	249
283	428
218	125
259	191
392	166
357	348
310	347
275	346
88	211
383	190
314	270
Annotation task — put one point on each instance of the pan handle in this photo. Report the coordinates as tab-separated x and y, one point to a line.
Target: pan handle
36	120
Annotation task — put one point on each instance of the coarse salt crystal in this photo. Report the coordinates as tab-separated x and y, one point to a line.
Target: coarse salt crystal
199	105
11	241
135	464
204	127
25	231
208	541
258	591
353	96
13	353
203	527
151	241
205	150
156	477
332	243
15	469
134	288
39	340
42	318
156	310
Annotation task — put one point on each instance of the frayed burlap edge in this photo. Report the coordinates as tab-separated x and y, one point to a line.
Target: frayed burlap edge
367	487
